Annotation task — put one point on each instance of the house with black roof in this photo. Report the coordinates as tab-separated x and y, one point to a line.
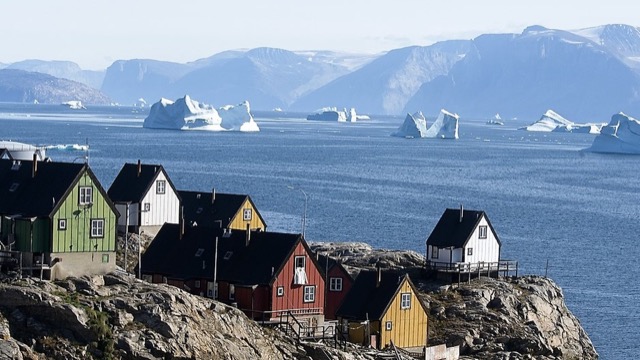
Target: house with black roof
266	274
338	280
212	209
383	307
57	217
462	236
145	197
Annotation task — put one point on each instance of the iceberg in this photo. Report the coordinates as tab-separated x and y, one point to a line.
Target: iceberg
620	136
445	126
414	126
74	104
188	114
497	120
552	121
329	114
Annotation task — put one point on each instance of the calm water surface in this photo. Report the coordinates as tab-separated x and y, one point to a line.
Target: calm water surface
547	200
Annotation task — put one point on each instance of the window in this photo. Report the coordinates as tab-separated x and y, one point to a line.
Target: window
388	325
147	207
435	252
469	251
14	187
335	284
62	224
232	292
299	261
105	258
161	186
197	284
246	214
405	301
85	196
97	228
309	294
199	252
482	231
227	255
212	289
280	291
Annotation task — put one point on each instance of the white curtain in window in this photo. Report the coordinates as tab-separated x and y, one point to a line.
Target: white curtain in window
300	277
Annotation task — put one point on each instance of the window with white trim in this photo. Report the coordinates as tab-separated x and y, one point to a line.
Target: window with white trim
97	228
388	325
161	186
85	195
299	261
280	291
62	224
482	231
469	251
309	294
247	214
435	252
335	284
405	301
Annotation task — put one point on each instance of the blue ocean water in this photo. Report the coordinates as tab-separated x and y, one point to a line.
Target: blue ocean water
549	201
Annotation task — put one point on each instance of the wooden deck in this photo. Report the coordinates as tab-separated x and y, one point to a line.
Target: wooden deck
466	271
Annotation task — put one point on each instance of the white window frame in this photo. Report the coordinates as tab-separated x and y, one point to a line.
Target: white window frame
280	291
97	228
85	195
62	224
335	284
309	294
388	326
482	232
405	301
297	259
435	252
161	187
247	214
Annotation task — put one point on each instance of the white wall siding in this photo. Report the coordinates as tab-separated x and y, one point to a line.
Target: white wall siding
445	255
484	250
163	207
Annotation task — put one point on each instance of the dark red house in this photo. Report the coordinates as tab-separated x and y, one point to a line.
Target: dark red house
338	283
266	274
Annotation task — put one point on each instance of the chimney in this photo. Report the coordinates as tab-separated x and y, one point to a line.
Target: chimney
139	167
461	212
34	168
213	195
248	237
378	275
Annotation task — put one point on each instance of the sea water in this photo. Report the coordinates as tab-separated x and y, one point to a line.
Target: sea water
557	210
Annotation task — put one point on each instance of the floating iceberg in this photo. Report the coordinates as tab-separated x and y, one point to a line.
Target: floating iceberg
497	120
74	104
414	126
552	121
68	147
329	114
188	114
620	136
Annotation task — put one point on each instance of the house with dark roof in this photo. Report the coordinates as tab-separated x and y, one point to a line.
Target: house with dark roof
211	209
338	282
268	275
145	197
57	217
462	236
383	307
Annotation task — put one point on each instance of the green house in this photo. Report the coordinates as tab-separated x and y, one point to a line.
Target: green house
57	218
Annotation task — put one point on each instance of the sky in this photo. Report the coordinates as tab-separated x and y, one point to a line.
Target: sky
96	33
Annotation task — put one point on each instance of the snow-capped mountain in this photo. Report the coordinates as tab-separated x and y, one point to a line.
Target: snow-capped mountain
384	85
621	40
525	74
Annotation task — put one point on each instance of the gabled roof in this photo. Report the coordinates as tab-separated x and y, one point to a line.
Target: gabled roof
131	186
31	196
326	263
451	231
198	207
366	299
192	257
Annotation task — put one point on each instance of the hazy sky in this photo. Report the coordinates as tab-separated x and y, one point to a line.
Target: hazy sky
96	33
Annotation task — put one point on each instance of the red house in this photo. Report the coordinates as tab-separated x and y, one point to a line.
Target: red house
268	275
339	282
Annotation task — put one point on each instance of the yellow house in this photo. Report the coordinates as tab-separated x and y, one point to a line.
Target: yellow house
382	308
229	211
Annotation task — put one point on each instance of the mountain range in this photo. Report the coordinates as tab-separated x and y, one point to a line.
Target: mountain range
586	75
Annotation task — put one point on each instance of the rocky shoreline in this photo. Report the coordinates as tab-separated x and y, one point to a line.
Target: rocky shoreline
119	317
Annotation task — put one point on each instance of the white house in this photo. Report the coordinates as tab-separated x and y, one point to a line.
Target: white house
462	236
145	197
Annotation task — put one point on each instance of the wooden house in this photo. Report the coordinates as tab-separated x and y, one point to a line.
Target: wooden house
145	197
383	307
57	217
462	236
338	283
211	209
268	275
